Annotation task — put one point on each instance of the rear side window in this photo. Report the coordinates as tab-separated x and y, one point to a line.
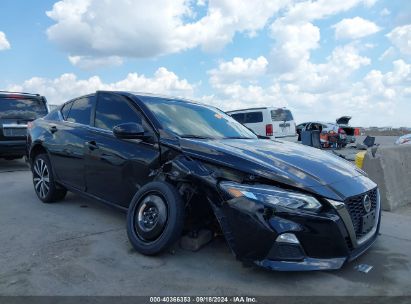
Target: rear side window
253	117
281	115
249	117
240	117
112	110
22	108
80	111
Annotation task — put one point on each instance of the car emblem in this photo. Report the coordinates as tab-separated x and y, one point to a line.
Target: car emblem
366	201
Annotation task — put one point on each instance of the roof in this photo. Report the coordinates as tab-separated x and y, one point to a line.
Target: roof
253	109
18	93
145	94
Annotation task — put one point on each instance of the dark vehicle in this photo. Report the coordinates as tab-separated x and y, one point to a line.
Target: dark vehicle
299	128
177	166
16	110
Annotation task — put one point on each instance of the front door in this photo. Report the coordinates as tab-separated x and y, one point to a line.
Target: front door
117	168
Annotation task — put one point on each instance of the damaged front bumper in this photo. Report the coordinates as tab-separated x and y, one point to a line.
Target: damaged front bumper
307	264
322	241
310	264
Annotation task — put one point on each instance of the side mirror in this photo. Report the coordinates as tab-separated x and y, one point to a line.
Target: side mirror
129	130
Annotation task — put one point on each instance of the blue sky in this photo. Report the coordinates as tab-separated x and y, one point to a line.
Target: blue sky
322	59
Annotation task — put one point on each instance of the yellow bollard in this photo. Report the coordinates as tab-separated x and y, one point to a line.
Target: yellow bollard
359	159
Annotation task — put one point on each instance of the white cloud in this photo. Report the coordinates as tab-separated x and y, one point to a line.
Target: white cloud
369	3
293	44
151	28
298	83
347	58
376	99
90	63
238	69
400	74
4	43
296	35
306	11
320	91
355	28
68	86
324	77
385	12
401	38
201	2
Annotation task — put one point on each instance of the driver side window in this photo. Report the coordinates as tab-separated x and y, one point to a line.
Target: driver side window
112	110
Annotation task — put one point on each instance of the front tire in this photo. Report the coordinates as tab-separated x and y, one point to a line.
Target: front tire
43	180
155	218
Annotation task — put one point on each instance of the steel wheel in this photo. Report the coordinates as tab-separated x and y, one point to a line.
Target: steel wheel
155	218
151	217
41	178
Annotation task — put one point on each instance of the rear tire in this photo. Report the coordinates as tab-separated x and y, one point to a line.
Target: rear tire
155	218
43	180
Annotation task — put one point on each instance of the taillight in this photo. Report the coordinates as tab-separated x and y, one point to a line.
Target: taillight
269	130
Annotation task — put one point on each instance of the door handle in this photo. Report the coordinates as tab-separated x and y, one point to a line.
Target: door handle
53	129
92	145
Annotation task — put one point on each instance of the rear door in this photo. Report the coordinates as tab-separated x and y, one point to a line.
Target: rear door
117	168
67	146
283	122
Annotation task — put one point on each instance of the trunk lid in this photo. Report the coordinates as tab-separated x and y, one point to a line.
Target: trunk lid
344	120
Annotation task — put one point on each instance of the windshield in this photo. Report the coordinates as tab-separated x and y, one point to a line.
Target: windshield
195	121
22	108
281	115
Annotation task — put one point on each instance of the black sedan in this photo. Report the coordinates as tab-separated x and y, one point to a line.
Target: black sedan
177	166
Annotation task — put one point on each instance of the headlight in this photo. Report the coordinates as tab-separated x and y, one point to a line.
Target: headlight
273	196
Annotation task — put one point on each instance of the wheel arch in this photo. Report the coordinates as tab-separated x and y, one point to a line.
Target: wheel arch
35	150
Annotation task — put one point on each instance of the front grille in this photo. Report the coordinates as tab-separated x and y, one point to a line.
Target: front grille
357	211
15	132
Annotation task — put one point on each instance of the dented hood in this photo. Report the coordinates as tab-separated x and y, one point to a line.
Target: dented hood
288	163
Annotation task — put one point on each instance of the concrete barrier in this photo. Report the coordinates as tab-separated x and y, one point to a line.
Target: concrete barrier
390	168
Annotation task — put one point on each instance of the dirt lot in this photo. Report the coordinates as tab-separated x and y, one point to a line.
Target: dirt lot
79	247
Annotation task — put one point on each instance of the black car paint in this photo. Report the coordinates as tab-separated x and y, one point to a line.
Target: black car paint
15	146
97	164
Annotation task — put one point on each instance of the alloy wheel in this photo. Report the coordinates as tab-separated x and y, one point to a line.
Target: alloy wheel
41	178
